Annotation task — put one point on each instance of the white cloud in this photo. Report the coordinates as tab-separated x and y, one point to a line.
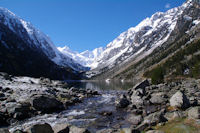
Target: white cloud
167	5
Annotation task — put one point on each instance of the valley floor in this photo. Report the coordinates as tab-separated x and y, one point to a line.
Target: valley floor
42	105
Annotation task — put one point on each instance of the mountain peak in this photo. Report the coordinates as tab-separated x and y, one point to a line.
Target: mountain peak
36	39
85	58
7	12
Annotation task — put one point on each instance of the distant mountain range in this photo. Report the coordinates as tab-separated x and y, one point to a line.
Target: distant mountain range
86	58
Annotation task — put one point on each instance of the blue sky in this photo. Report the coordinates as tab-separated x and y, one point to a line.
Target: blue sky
86	24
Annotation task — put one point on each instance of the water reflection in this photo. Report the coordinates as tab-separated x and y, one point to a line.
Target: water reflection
101	84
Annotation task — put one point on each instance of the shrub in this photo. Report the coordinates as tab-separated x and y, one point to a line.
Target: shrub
157	75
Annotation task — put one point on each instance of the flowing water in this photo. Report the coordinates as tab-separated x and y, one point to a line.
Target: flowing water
90	112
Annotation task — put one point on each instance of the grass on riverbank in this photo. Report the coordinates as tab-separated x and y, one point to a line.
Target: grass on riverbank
180	126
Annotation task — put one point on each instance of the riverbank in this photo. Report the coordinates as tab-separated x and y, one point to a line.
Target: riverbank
22	98
30	105
169	107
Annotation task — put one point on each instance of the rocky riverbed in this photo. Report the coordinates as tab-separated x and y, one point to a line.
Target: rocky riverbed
154	106
31	105
24	97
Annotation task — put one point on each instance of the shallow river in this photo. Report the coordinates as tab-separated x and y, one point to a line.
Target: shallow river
89	112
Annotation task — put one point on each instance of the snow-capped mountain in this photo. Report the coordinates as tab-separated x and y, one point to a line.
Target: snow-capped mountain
20	39
36	39
86	58
138	42
146	36
25	50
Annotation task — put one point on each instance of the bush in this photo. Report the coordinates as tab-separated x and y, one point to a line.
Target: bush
157	75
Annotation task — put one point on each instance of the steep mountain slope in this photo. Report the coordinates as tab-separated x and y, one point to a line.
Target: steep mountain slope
186	30
27	51
139	42
86	58
183	63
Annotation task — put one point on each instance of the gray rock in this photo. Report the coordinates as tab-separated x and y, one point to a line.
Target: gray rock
193	101
126	130
105	112
155	118
158	98
137	101
173	115
134	119
155	131
142	85
179	100
141	127
45	80
74	129
73	89
122	103
194	113
108	131
2	95
46	103
17	110
3	119
65	130
40	128
151	120
4	130
12	107
64	95
61	84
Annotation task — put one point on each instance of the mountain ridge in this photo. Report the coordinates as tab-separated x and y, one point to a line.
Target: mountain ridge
85	58
25	50
148	38
137	40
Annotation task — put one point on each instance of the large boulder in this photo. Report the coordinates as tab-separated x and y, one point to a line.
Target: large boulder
173	115
154	118
12	107
193	101
40	128
179	100
158	98
18	110
123	102
137	101
65	130
142	85
46	103
2	95
74	129
194	113
3	119
134	119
